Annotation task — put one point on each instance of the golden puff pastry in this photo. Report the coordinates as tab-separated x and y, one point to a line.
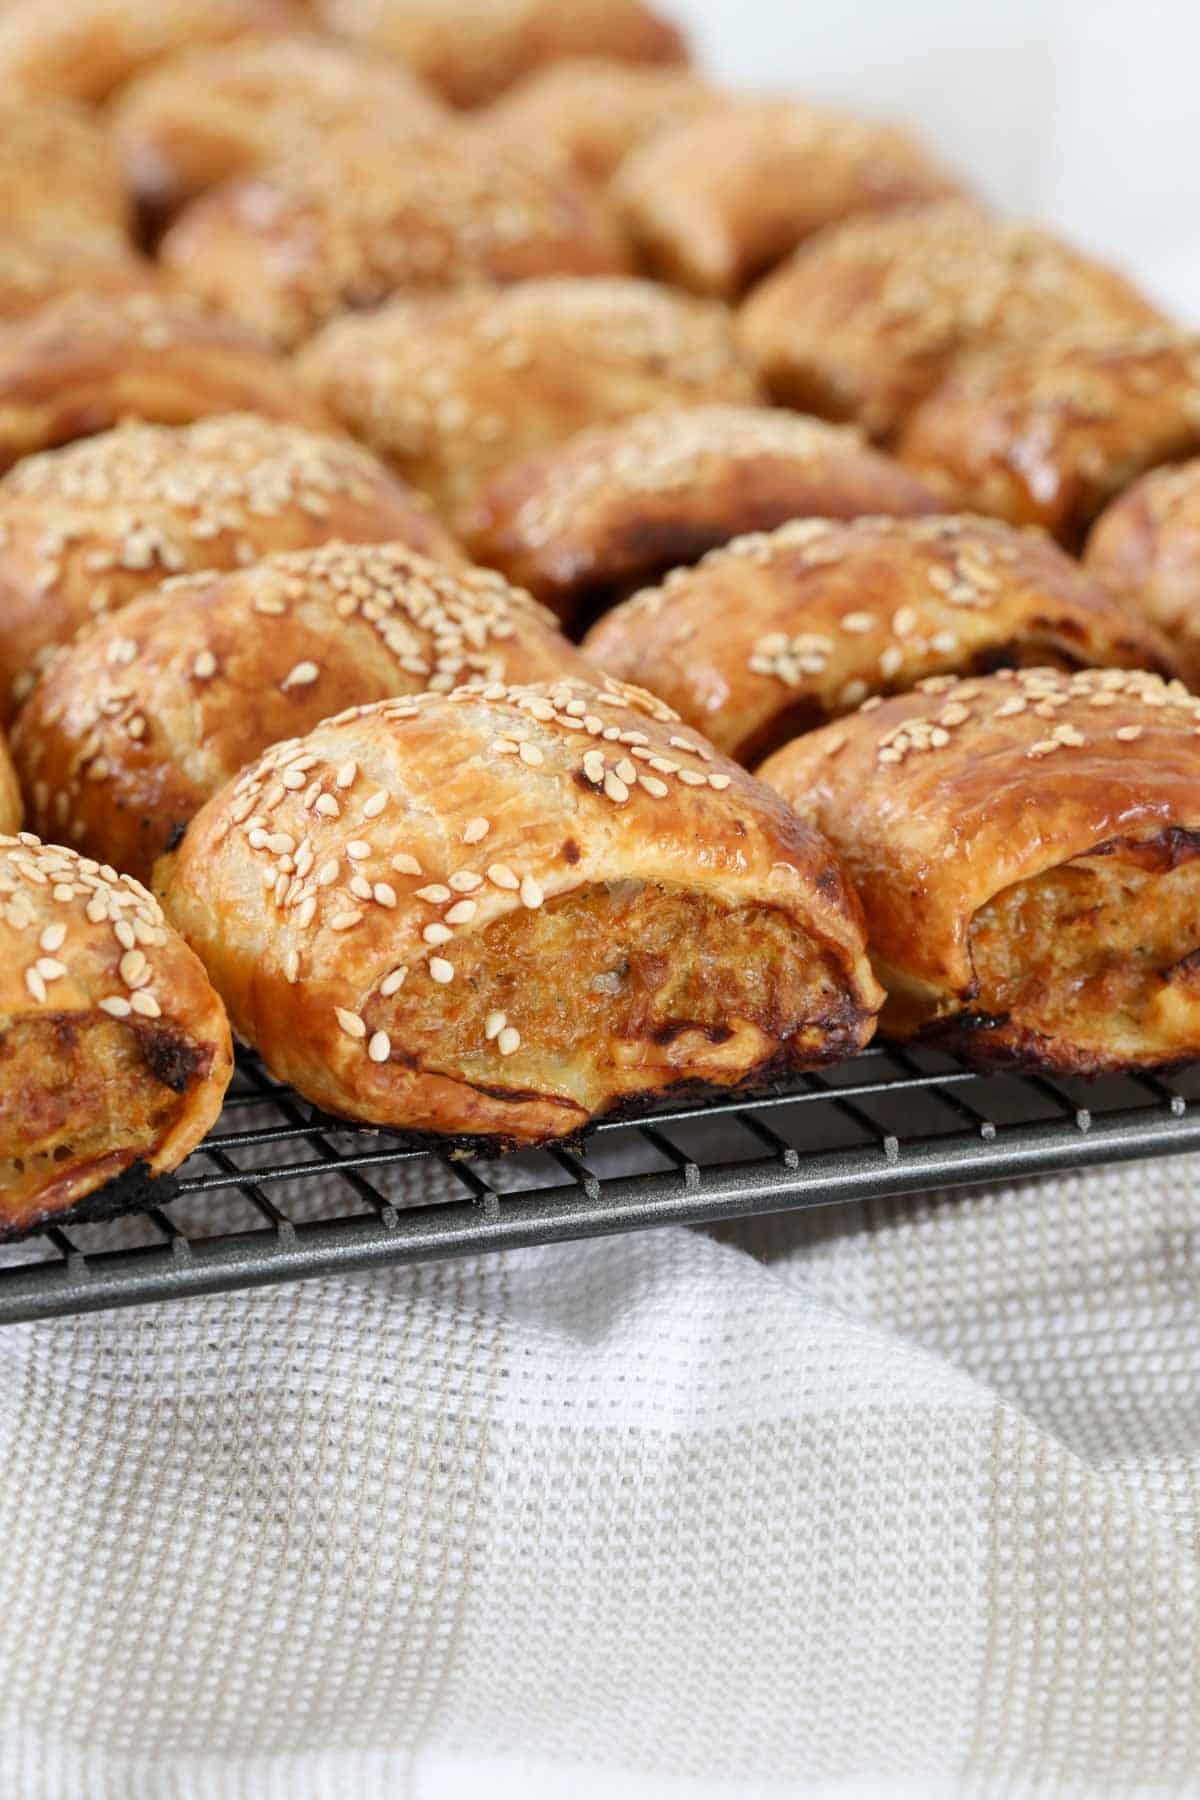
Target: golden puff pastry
1027	851
61	180
619	505
863	322
85	529
1047	434
86	49
11	809
715	203
449	390
470	51
212	113
90	360
595	112
131	730
1146	548
378	216
33	272
777	633
500	913
114	1049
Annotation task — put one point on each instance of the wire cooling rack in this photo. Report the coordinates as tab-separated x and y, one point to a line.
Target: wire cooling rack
279	1192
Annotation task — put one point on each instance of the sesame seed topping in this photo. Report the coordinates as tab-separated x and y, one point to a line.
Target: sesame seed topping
358	850
1128	734
143	1002
115	1005
392	983
53	936
350	1022
405	864
531	893
475	831
494	1024
508	1041
462	912
345	921
204	665
437	934
35	984
375	805
303	675
380	1047
346	774
440	970
501	876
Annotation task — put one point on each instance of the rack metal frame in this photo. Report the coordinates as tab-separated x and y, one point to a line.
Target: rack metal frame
889	1123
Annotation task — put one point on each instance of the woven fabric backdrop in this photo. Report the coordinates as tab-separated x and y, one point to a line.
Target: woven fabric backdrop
894	1502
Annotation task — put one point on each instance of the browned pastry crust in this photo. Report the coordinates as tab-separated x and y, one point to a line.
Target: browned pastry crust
86	49
11	810
619	505
210	114
86	362
449	390
777	633
130	731
470	51
1146	548
502	912
596	111
114	1049
715	203
384	215
1046	435
1027	850
32	273
862	323
61	180
85	529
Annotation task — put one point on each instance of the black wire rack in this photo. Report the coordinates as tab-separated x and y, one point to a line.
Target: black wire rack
279	1192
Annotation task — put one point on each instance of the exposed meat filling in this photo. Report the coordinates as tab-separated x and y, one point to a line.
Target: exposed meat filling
621	987
74	1088
1099	952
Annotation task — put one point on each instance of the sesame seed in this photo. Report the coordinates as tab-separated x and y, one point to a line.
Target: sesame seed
654	786
531	893
350	1022
380	1047
392	983
436	894
465	881
134	969
345	921
857	623
35	984
143	1002
346	774
406	865
719	781
691	778
531	756
383	894
328	807
116	1006
291	967
475	830
327	874
508	1040
501	876
52	937
1128	733
124	933
437	934
303	675
360	887
375	805
204	666
615	788
440	970
494	1024
50	969
461	913
358	850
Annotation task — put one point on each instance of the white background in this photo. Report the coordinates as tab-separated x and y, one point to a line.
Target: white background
1085	112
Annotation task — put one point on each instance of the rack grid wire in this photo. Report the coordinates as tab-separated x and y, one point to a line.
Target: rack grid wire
281	1192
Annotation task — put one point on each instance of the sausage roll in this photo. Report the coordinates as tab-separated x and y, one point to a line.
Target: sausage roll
502	912
469	51
1047	434
87	49
713	204
1146	548
114	1049
11	809
33	272
386	215
1027	850
619	505
210	114
596	112
85	529
775	634
130	731
61	180
865	321
86	362
449	390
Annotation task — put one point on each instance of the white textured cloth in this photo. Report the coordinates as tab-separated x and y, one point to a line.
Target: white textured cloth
897	1502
